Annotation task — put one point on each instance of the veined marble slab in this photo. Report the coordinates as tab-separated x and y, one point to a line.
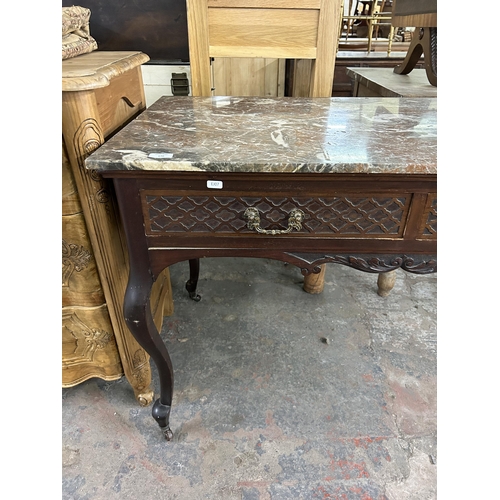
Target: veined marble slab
258	134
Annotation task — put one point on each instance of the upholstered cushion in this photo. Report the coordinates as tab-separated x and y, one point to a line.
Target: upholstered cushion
76	37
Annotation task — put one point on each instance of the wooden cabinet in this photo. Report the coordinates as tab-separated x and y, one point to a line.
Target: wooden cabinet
101	92
298	72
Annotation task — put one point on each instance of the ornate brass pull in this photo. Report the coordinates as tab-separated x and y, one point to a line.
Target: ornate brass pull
294	221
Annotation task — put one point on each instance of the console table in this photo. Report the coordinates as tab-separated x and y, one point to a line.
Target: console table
306	181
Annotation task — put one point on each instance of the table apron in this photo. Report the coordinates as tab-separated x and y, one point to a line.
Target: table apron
347	219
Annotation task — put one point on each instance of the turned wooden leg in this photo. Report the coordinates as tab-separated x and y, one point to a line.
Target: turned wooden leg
386	282
315	282
192	283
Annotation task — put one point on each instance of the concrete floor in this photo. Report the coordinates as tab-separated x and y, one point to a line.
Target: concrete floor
264	406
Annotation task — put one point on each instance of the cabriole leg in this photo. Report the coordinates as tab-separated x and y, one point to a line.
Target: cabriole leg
140	322
161	413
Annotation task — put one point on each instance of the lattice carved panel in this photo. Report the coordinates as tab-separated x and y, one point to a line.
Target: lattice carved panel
430	225
377	216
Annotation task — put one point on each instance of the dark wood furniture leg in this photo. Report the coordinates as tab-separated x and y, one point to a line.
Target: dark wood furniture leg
424	41
140	322
136	305
192	283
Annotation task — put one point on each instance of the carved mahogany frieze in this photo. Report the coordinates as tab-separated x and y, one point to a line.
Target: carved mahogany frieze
377	216
420	264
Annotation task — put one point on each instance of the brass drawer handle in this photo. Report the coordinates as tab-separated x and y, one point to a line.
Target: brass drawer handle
294	221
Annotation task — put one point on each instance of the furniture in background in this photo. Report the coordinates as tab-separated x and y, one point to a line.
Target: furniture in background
356	59
301	180
297	29
423	15
383	82
294	30
248	76
121	24
369	18
101	92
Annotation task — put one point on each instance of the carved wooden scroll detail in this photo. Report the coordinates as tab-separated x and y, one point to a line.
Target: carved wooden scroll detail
74	258
310	263
87	340
88	137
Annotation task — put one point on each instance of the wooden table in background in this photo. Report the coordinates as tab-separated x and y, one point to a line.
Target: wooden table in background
422	14
383	82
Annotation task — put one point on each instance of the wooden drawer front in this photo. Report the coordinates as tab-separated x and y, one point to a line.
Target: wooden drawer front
120	101
363	216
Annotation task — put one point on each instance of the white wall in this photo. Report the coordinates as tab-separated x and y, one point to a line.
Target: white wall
156	79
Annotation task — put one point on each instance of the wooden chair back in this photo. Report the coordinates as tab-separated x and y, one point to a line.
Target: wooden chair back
287	29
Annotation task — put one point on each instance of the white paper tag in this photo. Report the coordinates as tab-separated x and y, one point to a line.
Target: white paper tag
160	155
214	184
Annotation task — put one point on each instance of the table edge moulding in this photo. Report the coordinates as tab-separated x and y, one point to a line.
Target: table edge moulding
101	92
308	181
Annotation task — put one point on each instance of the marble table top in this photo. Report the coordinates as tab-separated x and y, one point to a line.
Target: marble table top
270	134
